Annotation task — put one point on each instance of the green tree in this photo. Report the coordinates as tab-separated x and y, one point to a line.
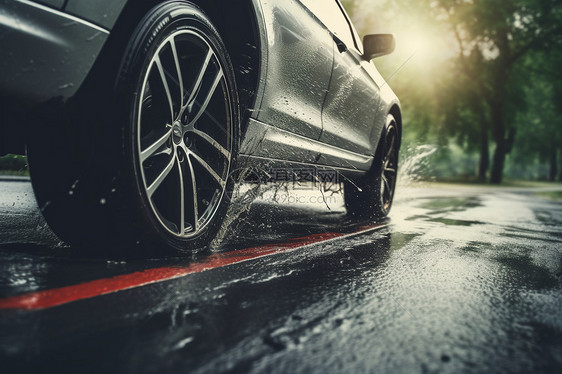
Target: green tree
540	125
493	36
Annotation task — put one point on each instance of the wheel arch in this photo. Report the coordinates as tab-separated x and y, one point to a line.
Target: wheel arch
238	23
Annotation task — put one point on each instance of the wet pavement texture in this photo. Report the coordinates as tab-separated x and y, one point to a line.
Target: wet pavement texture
459	280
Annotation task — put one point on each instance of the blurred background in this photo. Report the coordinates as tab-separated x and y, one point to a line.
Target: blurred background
479	82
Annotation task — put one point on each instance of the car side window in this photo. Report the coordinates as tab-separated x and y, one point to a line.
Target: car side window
329	12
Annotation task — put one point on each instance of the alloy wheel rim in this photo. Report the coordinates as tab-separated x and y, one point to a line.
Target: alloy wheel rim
184	133
389	167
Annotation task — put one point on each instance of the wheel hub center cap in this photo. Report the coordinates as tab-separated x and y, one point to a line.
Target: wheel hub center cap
177	132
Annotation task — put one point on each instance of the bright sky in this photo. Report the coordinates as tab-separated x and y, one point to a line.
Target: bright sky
419	42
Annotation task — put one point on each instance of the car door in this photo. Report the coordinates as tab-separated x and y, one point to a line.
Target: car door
351	104
300	58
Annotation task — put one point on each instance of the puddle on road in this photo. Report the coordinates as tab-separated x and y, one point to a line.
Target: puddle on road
445	205
455	222
528	274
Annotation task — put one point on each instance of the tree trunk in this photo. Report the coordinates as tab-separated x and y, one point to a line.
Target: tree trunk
484	151
499	161
560	169
553	162
498	131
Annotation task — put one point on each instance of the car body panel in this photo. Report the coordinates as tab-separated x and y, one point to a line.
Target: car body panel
297	78
58	4
59	52
100	12
264	141
389	103
351	105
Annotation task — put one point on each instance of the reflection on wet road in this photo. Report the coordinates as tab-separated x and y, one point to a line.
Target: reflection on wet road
459	280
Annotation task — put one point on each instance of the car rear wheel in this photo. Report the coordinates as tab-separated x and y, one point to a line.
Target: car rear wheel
151	175
371	197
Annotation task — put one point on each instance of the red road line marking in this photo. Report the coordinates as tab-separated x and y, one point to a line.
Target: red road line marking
63	295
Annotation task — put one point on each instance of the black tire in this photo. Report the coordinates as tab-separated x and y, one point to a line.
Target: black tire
144	169
371	196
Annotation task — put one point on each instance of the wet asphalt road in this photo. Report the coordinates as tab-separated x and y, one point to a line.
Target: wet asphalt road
459	280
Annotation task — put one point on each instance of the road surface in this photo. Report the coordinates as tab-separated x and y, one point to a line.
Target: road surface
459	280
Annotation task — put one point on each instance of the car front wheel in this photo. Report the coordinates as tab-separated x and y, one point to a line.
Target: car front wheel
153	177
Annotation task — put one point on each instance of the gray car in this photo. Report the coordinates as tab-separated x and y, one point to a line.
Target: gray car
139	117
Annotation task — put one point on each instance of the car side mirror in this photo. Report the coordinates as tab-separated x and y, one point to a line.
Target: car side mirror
377	45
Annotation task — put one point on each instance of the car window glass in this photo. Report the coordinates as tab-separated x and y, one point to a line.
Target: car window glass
329	12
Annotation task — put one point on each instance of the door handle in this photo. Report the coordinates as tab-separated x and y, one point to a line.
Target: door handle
341	45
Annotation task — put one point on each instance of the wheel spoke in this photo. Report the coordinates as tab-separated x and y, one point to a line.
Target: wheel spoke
178	69
195	197
200	76
182	199
152	149
166	87
205	102
211	141
208	168
386	184
390	170
154	186
155	107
